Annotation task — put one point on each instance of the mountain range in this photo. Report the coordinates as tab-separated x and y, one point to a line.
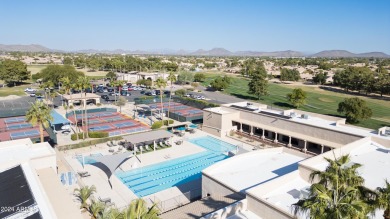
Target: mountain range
200	52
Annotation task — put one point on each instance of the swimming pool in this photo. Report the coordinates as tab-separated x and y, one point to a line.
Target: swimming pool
88	159
154	178
213	144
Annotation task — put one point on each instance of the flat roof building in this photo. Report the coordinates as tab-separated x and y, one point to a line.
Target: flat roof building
29	172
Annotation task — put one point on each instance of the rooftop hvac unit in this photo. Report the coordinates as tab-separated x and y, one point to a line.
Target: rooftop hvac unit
293	115
305	116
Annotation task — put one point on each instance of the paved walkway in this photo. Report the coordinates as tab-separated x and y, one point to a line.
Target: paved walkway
199	208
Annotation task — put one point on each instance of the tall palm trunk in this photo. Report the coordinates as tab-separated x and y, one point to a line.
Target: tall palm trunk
82	115
41	131
169	102
86	117
162	107
75	116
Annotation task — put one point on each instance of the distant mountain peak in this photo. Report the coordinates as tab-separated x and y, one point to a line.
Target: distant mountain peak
217	51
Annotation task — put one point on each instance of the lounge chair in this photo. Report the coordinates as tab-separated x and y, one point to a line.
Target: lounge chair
167	143
84	174
105	200
161	144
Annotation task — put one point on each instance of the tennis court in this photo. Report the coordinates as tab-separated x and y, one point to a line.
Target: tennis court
16	128
125	124
15	120
24	134
96	115
19	126
106	119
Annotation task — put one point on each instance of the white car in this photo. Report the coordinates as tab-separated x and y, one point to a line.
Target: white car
202	98
29	90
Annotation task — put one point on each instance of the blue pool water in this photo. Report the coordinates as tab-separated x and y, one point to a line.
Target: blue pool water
213	144
154	178
88	159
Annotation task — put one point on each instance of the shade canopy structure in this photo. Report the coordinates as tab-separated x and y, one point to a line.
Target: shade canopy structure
58	119
147	136
109	163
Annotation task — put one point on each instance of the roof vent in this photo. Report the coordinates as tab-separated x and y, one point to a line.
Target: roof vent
305	116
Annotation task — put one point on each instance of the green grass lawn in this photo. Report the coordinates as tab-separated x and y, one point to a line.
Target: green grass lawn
37	68
318	100
18	90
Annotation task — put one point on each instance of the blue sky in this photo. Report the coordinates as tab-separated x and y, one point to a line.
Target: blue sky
303	25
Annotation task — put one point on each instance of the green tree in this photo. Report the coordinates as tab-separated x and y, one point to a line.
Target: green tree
40	114
54	73
258	84
13	71
354	109
111	213
289	75
383	81
185	77
161	84
172	79
138	210
320	78
67	85
82	84
297	97
220	83
111	75
121	102
96	209
180	92
383	199
67	61
339	193
83	194
199	77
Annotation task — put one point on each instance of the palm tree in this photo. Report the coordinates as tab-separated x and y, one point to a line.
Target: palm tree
111	213
96	209
82	84
67	85
40	114
161	84
46	89
338	194
172	78
83	194
383	199
138	210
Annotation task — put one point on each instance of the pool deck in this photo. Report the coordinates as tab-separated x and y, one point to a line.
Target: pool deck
119	193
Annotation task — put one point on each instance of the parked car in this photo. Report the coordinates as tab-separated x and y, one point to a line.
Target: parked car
100	90
105	97
110	89
142	92
114	94
125	88
32	95
29	90
125	93
130	88
157	92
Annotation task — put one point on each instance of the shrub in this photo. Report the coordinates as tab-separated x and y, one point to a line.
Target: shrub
98	104
91	135
190	89
157	125
88	143
166	122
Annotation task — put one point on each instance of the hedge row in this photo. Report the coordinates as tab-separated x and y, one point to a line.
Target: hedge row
158	124
88	143
90	134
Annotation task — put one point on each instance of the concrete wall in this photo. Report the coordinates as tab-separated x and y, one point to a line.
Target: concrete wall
313	131
265	210
214	188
